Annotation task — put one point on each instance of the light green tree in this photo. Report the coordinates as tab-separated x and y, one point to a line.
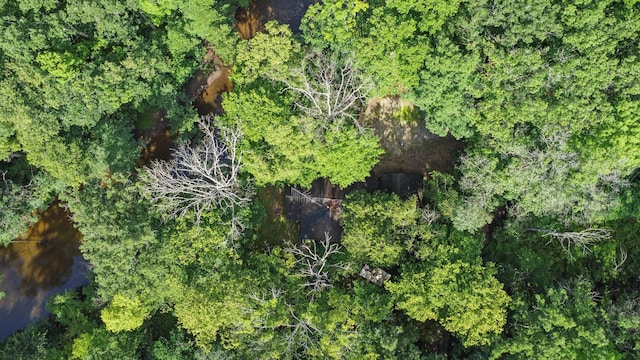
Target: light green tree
378	226
124	314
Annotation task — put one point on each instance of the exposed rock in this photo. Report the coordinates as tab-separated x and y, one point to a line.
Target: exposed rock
376	276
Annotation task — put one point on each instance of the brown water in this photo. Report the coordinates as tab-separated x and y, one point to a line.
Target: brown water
209	93
252	19
45	261
158	138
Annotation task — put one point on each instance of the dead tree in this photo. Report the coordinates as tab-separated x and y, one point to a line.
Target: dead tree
329	89
619	261
201	177
582	240
430	215
301	335
313	262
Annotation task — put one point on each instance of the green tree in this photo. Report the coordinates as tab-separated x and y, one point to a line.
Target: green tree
23	191
268	54
285	138
124	314
451	285
378	227
24	345
88	69
556	184
563	323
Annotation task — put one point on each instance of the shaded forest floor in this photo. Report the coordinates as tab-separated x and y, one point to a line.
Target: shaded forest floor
409	147
276	229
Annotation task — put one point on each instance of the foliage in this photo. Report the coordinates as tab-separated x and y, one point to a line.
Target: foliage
268	54
562	323
451	285
377	227
624	323
119	236
99	344
544	199
20	199
78	73
123	314
285	145
507	76
446	281
555	185
25	345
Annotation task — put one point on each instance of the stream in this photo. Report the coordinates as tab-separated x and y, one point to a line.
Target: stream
47	259
252	19
44	262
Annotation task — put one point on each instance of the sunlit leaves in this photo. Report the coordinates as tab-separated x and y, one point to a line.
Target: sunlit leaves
377	226
452	286
124	314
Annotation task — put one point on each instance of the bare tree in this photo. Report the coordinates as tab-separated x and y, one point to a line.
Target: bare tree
313	261
302	334
330	89
202	177
430	215
583	240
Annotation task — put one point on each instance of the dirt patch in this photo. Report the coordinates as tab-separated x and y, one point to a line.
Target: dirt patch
409	147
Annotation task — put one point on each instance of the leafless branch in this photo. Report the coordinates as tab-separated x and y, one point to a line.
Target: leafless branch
615	180
202	177
313	261
301	335
261	298
620	261
7	183
583	240
330	90
430	215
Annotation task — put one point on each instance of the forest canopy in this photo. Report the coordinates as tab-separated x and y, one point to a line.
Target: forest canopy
519	244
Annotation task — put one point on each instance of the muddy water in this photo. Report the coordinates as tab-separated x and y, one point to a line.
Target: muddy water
252	19
44	262
209	93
